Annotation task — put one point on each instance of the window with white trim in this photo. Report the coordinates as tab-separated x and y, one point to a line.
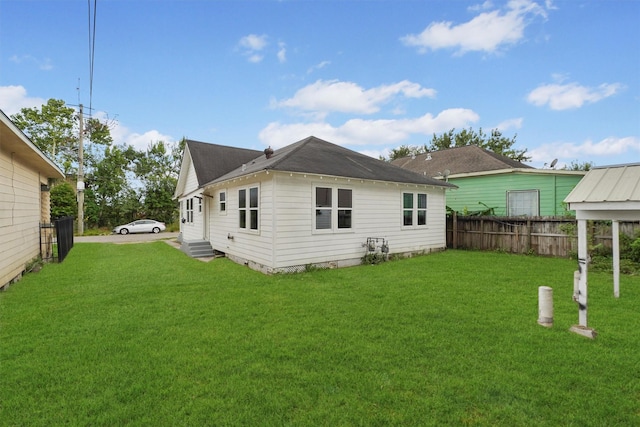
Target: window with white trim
189	210
414	209
523	203
222	202
248	208
333	209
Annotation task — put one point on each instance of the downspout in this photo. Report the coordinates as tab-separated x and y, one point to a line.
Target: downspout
555	195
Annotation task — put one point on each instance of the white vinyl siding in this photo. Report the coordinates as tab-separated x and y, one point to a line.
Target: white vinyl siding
287	235
191	204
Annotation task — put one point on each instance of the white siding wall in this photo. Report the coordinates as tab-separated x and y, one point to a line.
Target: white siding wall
377	212
192	230
287	238
19	216
244	244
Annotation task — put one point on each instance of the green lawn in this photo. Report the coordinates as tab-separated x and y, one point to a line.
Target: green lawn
143	335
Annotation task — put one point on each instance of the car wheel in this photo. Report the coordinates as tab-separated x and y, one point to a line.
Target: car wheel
155	230
124	231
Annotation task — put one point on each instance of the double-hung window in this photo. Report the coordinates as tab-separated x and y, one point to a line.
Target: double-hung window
248	208
189	210
333	209
414	209
222	202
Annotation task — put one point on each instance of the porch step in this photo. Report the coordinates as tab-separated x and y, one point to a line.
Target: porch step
197	248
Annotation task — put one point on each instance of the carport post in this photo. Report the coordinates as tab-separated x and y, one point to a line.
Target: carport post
615	235
581	298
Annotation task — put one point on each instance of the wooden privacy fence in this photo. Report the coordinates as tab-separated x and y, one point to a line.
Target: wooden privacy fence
551	236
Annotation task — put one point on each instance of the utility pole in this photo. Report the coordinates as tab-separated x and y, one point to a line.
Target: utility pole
80	183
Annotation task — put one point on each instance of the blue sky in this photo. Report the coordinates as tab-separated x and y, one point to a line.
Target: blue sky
369	75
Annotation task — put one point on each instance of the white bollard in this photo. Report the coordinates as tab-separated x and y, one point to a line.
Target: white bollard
545	306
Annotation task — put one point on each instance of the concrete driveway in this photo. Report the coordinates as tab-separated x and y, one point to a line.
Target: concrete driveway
126	238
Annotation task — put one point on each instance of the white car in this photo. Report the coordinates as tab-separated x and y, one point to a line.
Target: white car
140	226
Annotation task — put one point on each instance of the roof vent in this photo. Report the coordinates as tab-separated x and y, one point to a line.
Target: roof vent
268	152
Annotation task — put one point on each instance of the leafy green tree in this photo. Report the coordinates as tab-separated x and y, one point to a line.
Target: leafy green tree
108	188
495	142
158	168
579	166
404	151
54	129
63	200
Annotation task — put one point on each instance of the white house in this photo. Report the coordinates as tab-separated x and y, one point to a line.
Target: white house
203	163
24	199
310	203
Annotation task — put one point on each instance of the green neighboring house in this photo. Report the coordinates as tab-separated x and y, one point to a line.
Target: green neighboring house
492	184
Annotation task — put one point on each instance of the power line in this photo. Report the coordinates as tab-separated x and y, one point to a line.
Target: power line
92	47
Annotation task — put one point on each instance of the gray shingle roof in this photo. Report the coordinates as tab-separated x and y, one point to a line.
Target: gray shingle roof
316	156
211	161
467	159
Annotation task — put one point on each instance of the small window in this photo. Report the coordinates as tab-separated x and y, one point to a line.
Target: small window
248	208
222	199
523	203
189	210
199	204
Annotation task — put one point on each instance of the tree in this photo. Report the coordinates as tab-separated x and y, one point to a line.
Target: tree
495	142
54	129
158	168
579	166
63	201
108	191
404	151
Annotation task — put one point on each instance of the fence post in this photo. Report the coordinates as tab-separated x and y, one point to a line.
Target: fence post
454	237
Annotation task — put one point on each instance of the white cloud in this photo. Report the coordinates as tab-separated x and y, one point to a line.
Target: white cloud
368	132
15	98
282	52
323	97
140	141
587	150
571	95
509	124
43	64
252	47
487	32
318	66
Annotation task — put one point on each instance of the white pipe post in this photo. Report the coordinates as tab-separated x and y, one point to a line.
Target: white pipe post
582	264
615	234
545	306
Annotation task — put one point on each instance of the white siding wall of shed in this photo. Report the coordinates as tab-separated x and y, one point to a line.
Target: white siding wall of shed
20	213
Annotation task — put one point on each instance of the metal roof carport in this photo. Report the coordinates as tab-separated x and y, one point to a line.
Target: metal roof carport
604	193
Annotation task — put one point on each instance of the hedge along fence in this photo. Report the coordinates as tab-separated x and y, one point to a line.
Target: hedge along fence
550	236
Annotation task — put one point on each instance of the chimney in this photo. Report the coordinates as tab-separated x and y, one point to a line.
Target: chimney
268	152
